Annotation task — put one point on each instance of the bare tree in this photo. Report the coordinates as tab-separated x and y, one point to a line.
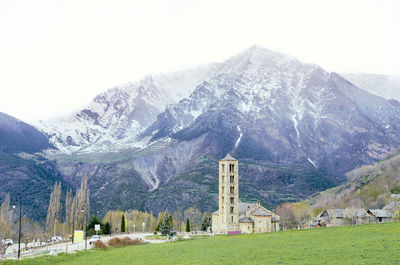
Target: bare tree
69	208
81	203
286	213
53	211
3	244
5	218
30	230
194	216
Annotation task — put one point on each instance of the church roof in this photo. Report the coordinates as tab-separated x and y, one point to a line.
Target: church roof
228	157
261	212
245	206
246	220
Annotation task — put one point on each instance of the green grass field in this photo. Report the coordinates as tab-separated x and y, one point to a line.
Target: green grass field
366	244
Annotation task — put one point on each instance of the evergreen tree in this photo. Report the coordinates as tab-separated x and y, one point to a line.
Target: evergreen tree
122	224
170	222
158	225
187	225
90	227
164	227
107	229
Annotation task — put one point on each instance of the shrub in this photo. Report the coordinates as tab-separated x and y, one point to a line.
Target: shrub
118	242
395	190
99	244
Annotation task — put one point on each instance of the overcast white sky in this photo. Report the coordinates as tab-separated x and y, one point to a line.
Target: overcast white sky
55	56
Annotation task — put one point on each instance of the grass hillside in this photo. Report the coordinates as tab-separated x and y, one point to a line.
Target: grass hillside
369	186
364	244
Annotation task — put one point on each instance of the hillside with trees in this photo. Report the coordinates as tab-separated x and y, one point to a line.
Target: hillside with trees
373	186
369	186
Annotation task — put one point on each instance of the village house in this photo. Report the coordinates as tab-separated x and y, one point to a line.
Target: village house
381	215
233	216
350	216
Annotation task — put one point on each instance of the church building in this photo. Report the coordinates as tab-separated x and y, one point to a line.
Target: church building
233	216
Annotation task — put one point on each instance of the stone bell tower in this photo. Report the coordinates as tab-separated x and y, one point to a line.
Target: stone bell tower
228	194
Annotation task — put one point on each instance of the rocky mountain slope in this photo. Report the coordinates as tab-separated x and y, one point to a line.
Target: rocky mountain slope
23	172
113	119
386	86
17	136
370	186
269	107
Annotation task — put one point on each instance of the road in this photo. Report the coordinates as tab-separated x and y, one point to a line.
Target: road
67	246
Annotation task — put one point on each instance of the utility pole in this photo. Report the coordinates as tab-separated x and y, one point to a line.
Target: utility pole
73	225
86	215
19	231
127	222
55	224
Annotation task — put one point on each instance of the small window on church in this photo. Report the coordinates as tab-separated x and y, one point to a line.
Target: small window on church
232	179
232	209
222	208
232	200
223	167
231	167
222	199
223	178
232	189
223	189
232	219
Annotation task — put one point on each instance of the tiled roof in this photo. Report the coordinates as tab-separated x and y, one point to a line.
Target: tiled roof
245	206
338	213
381	213
257	211
246	220
261	212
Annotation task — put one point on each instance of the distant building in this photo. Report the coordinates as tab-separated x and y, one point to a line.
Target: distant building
350	216
382	216
234	216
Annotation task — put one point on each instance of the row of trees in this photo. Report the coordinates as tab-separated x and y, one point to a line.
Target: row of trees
294	215
129	221
76	209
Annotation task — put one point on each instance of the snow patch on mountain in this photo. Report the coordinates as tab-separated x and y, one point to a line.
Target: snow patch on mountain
309	160
240	137
115	117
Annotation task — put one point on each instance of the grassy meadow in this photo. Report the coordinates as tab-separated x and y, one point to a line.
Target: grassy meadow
364	244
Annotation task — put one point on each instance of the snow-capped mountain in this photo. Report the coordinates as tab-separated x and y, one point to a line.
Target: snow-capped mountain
268	106
115	117
387	86
295	127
